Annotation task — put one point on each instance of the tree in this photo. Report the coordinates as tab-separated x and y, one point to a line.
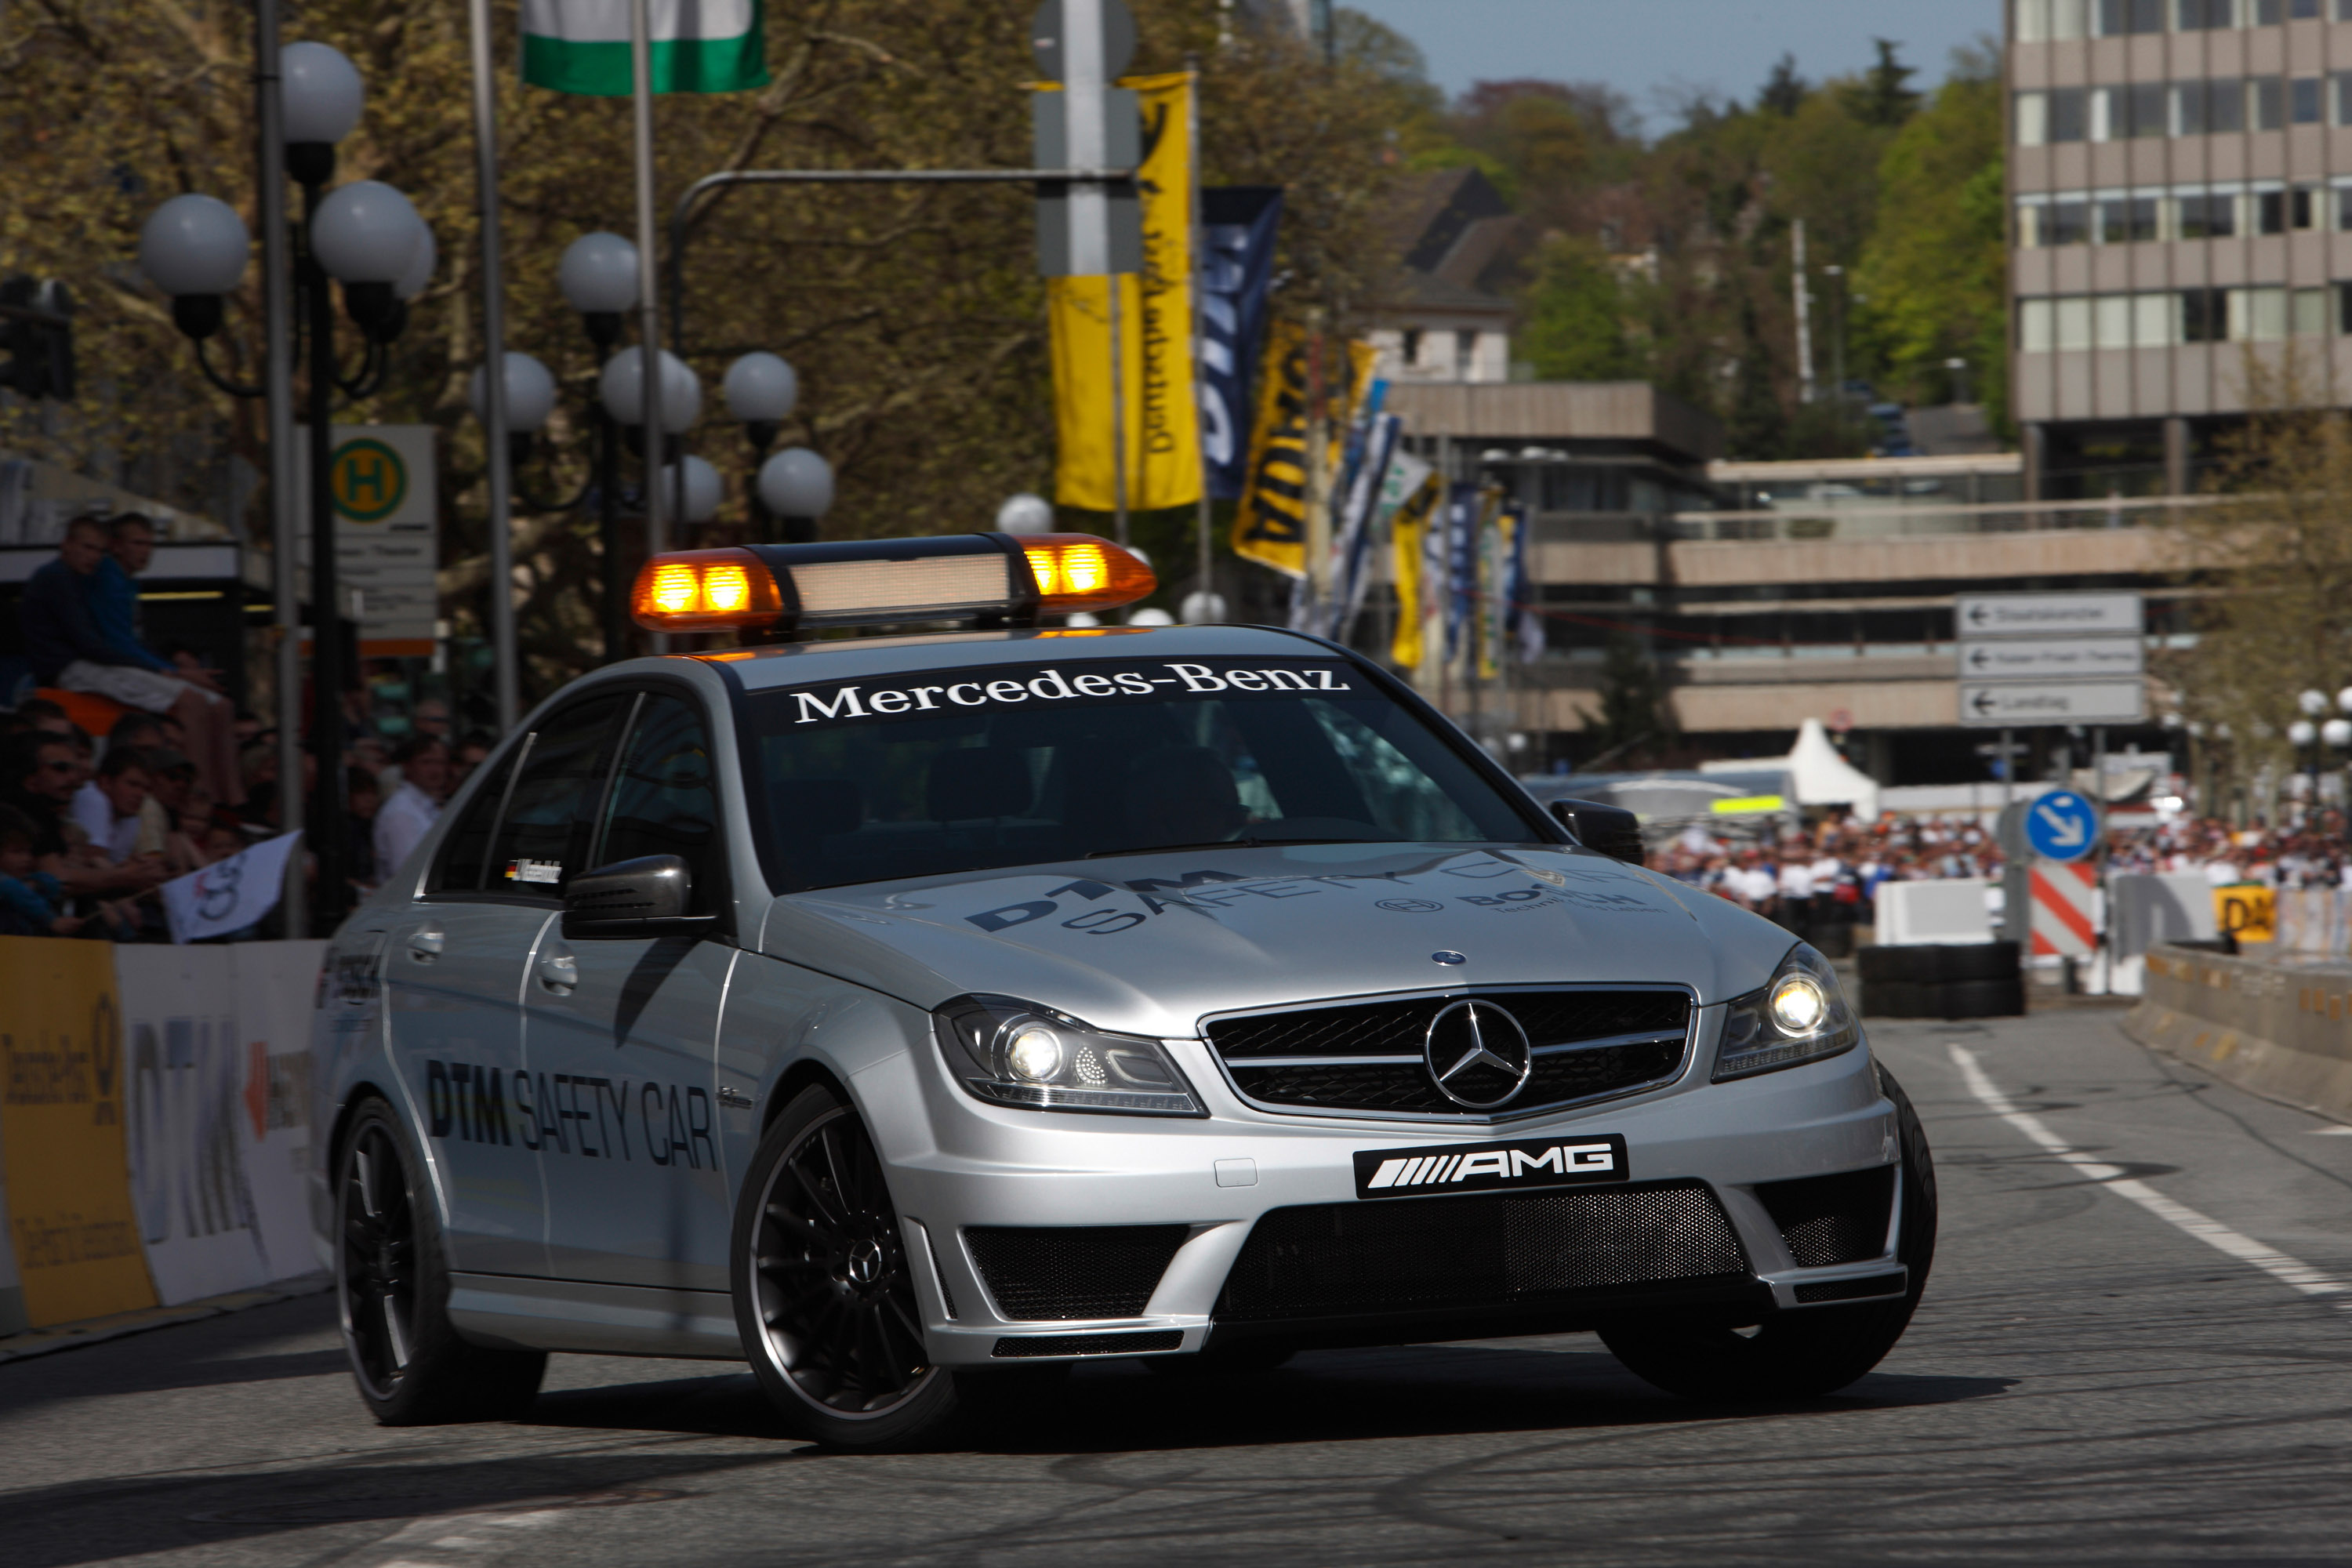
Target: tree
1934	268
1578	320
1784	93
1634	713
1881	96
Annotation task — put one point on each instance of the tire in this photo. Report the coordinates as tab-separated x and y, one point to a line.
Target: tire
824	1295
391	1287
1977	961
1982	998
1900	999
1938	963
1804	1352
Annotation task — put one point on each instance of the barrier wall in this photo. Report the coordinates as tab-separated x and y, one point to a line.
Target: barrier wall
153	1123
2280	1024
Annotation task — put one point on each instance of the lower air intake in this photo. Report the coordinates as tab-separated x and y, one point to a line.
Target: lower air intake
1832	1219
1437	1254
1046	1274
1090	1344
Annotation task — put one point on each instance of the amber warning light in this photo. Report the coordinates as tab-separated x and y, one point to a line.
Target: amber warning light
991	579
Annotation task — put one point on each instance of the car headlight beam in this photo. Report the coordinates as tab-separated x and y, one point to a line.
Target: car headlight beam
1010	1052
1802	1016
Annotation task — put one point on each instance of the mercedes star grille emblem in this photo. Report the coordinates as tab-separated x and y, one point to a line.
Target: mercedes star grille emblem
1477	1055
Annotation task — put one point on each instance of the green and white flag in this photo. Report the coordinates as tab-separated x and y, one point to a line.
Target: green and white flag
699	45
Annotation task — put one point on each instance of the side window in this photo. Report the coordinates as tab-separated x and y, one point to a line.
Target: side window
465	853
663	803
543	839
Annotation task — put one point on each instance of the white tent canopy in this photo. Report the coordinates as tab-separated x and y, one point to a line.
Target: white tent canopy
1821	776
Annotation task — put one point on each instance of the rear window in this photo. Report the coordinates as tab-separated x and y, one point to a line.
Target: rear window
968	770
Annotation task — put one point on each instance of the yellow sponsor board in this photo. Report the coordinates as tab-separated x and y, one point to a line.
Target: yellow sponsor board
1739	805
61	1139
1161	440
2247	911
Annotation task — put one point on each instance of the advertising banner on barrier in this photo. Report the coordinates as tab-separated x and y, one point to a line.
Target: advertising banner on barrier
70	1220
216	1063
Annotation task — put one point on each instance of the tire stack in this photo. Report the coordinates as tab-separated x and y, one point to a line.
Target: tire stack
1976	980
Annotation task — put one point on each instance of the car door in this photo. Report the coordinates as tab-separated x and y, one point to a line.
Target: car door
453	966
626	1029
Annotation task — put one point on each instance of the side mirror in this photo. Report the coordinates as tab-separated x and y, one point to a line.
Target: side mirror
1610	830
649	896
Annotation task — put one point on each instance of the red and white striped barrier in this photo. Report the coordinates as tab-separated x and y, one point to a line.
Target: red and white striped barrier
2065	909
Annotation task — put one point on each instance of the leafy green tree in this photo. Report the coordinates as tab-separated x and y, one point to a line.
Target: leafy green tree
1579	323
1933	271
1634	714
1882	95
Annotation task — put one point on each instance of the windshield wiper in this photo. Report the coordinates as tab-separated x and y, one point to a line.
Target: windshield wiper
1224	843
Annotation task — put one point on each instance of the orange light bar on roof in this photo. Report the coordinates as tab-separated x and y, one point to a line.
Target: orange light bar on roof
705	591
1079	572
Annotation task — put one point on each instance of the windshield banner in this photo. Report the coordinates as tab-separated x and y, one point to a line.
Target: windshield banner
1094	682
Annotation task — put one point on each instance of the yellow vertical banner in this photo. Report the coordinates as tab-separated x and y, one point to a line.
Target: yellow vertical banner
1270	526
1407	540
1162	436
61	1135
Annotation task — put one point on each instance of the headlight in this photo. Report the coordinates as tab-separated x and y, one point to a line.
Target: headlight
1010	1052
1802	1016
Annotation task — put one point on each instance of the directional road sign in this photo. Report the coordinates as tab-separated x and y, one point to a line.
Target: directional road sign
2025	704
2052	658
2062	825
2048	615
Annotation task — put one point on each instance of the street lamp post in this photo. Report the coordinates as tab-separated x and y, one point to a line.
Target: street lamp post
672	400
367	237
796	488
2305	732
761	390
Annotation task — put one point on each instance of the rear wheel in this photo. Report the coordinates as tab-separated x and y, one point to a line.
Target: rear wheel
392	1287
824	1295
1799	1354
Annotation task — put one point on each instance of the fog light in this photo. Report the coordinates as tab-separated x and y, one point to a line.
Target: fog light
1798	1006
1035	1053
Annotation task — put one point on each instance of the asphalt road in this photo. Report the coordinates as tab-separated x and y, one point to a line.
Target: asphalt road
2087	1382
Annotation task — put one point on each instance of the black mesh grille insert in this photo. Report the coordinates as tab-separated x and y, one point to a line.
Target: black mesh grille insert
1073	1271
1398	1028
1092	1345
1832	1219
1337	1259
1852	1289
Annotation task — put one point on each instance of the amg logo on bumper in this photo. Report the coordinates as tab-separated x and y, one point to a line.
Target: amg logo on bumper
1542	1163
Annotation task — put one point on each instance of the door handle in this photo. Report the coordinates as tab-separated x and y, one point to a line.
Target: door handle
426	942
559	971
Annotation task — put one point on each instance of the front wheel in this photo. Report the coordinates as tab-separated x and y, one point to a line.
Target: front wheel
1806	1353
391	1283
824	1294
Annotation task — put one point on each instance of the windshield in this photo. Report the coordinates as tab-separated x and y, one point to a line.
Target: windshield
974	769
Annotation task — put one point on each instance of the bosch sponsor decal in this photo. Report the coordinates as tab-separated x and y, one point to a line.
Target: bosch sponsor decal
1094	681
1485	1167
570	1113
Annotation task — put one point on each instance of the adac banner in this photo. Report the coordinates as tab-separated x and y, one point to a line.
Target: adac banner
1160	436
67	1190
1237	234
1270	525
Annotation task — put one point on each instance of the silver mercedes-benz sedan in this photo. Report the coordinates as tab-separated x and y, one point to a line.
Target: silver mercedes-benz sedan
915	1015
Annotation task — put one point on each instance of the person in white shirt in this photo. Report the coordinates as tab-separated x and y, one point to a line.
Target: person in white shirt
408	813
108	807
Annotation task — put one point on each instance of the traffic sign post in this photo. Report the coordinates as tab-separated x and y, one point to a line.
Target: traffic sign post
2021	705
2025	659
2061	825
2049	615
2052	658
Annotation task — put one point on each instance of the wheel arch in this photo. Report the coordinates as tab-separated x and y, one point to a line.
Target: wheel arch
806	1073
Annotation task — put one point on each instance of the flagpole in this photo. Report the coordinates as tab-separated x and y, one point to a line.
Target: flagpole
1117	418
649	361
506	676
1200	423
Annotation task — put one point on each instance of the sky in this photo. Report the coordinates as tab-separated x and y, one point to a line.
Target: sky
1654	52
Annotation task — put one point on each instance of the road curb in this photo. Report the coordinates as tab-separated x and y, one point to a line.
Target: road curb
98	1331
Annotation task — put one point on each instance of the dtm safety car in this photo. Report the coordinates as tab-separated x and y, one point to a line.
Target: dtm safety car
912	1013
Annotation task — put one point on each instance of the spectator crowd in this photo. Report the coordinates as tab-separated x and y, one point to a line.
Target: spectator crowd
92	826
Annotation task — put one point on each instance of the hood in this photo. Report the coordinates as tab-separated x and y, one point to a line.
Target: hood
1149	943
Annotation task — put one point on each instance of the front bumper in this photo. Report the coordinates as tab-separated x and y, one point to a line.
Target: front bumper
958	1167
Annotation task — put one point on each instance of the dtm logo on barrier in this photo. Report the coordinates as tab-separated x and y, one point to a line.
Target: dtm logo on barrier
1543	1163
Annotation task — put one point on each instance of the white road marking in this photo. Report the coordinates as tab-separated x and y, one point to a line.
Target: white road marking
2286	1270
2332	1133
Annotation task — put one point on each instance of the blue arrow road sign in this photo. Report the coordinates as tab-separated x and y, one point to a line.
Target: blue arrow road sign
2062	825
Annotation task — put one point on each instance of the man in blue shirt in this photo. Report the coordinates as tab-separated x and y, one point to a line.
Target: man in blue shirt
80	628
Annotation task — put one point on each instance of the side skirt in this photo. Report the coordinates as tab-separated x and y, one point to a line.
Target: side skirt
511	1312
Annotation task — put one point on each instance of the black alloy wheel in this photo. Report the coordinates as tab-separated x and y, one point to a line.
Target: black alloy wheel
379	1262
823	1293
392	1285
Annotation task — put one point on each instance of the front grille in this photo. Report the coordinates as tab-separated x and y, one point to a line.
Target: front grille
1832	1219
1092	1345
1317	1058
1073	1271
1435	1254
